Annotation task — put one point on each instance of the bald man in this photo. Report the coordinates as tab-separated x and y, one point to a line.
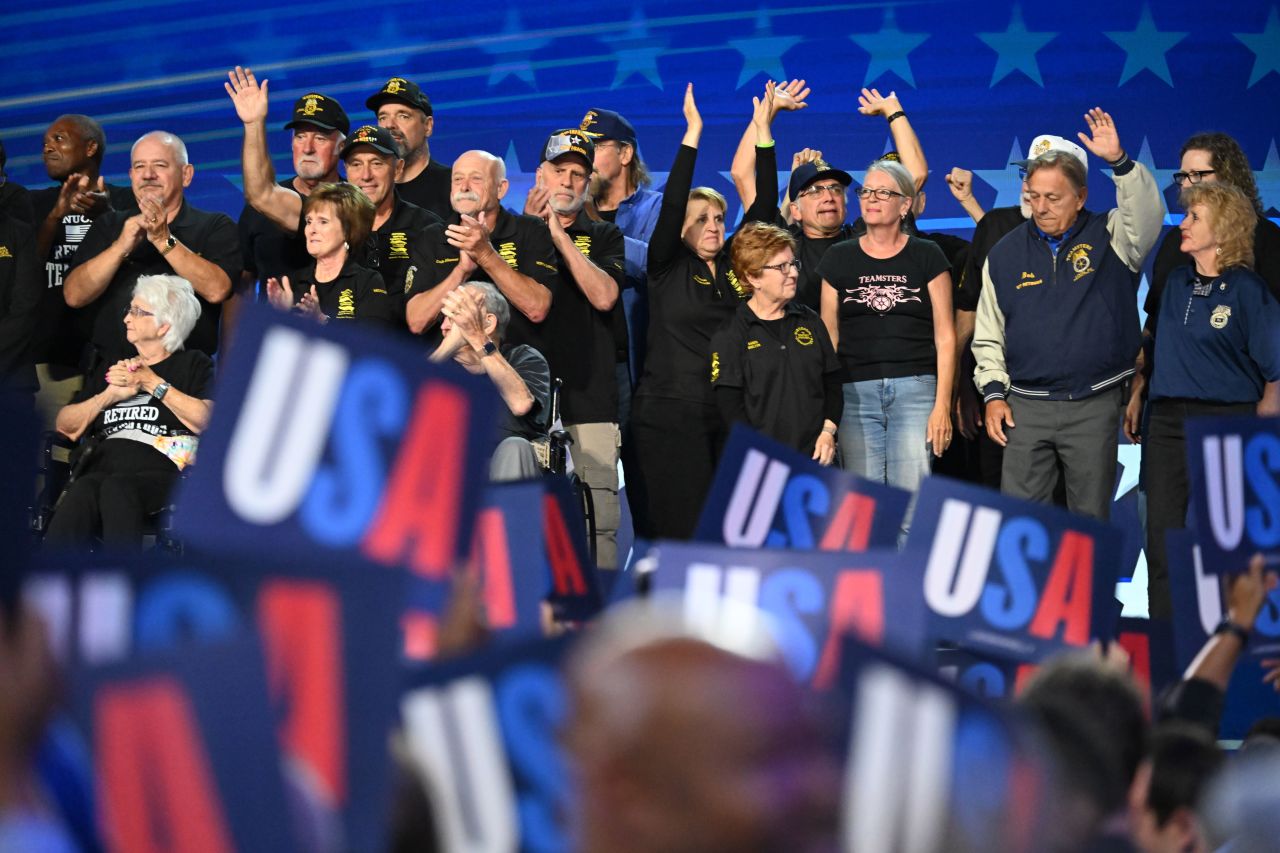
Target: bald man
163	235
681	746
484	241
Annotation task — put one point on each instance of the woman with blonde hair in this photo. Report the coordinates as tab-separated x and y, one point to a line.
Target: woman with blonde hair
1217	349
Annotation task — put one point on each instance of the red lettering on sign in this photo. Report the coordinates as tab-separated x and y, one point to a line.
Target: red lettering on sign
301	625
1068	594
1022	675
157	788
850	527
857	607
418	520
1139	648
566	571
491	560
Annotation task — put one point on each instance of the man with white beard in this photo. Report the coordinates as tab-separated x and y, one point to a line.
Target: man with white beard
591	259
482	240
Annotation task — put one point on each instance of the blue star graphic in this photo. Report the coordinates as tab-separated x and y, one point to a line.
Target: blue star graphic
1016	49
1268	178
1130	459
1164	177
762	52
519	182
1006	181
1145	47
889	49
638	52
513	50
1265	46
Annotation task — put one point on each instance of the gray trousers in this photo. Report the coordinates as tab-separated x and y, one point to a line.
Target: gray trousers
1081	434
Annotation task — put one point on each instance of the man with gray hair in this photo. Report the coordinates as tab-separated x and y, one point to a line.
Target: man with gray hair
1057	324
163	235
475	320
482	238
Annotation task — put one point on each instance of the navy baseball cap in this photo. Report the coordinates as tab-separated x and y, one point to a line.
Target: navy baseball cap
402	90
606	124
321	111
377	138
565	142
813	171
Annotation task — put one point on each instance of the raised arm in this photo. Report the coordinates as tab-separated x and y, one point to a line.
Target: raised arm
1135	223
788	96
960	182
905	141
281	205
664	244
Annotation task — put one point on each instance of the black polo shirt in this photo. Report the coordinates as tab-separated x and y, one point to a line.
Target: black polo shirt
579	338
269	251
358	293
521	240
62	331
782	367
387	249
210	235
430	190
991	229
20	291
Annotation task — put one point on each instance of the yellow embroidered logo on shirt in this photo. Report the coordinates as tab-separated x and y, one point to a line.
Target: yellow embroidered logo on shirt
583	244
399	241
1220	317
753	345
733	282
1029	280
715	366
347	303
804	337
702	281
508	253
1079	259
4	252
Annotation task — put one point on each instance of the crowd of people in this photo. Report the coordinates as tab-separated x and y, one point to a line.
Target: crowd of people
1012	359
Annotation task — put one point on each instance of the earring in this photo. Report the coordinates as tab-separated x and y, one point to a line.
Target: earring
1218	250
346	245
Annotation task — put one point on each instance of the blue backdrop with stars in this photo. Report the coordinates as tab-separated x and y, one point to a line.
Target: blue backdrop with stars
979	81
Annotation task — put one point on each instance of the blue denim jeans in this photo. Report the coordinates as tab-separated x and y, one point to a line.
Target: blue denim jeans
883	429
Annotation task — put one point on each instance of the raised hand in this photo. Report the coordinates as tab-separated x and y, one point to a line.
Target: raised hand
92	201
155	219
692	117
72	187
309	306
535	203
762	108
790	96
1105	139
960	182
804	155
133	233
872	103
471	238
249	97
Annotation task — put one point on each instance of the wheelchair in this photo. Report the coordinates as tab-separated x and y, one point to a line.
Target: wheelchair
553	457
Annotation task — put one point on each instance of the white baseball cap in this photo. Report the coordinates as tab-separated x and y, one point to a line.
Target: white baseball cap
1048	142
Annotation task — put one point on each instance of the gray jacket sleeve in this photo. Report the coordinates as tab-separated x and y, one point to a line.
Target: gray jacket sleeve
990	376
1135	222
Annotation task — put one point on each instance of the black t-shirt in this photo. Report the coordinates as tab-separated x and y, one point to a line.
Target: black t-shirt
211	235
62	331
269	251
579	338
782	366
20	291
430	190
1169	256
991	229
885	314
147	420
358	293
533	369
387	249
521	240
15	201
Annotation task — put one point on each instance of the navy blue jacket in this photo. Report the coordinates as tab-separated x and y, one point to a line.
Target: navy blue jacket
1065	326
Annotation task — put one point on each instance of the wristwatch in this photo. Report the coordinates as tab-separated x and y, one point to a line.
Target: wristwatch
489	348
160	391
169	245
1226	626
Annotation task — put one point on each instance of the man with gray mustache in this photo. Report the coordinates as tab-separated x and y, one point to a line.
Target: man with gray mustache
482	240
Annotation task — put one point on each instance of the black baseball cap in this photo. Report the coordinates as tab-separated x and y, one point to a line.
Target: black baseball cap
812	171
606	124
377	138
565	142
319	110
402	90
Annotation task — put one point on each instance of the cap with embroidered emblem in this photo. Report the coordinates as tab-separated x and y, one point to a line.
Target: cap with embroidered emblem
402	90
321	111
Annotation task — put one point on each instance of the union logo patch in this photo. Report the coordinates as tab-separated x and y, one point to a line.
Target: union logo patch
1220	317
804	337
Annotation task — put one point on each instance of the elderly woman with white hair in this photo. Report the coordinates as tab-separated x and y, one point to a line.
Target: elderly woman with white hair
141	420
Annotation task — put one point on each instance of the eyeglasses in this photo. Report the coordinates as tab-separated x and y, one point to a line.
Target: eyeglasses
1192	176
818	189
784	267
882	194
1022	174
138	312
